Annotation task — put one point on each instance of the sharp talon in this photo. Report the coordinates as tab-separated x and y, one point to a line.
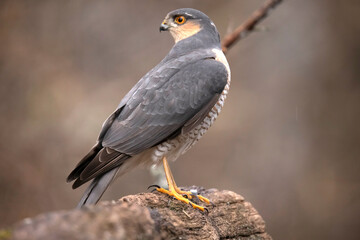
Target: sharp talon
185	196
207	210
153	190
195	206
154	185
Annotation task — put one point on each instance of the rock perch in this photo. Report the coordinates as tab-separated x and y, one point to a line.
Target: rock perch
149	216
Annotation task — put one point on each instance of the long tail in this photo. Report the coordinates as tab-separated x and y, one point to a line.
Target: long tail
97	188
101	165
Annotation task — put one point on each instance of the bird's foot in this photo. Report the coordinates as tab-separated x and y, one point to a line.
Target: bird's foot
178	194
190	195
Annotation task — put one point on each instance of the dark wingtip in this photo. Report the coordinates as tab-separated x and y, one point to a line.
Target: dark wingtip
84	162
72	176
78	183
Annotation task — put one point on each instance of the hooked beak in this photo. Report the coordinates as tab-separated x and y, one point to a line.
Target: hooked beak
164	26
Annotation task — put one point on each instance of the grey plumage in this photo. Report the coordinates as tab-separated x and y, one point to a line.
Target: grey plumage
165	102
97	188
171	99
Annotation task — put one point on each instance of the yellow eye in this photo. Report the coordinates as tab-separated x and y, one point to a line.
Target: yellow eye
180	20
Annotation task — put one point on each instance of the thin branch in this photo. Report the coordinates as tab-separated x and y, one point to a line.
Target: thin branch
248	26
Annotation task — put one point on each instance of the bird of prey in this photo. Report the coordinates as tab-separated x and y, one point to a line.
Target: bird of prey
165	113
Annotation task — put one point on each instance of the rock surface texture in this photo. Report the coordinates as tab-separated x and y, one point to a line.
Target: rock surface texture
150	216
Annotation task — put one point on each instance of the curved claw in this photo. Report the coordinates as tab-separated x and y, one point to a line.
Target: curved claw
154	185
207	210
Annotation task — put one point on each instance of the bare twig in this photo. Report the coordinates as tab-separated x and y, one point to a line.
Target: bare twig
245	28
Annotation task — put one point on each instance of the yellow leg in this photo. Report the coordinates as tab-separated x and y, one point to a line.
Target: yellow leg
176	192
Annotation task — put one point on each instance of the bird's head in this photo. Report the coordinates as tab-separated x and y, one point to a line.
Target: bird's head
186	22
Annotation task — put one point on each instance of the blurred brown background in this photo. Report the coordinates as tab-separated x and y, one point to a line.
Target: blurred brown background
288	138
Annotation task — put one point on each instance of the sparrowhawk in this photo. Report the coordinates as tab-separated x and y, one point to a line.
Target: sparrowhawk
165	113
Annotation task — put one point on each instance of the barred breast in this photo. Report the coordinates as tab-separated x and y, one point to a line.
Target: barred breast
173	148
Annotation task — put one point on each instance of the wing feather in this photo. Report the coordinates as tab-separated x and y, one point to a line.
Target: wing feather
160	107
